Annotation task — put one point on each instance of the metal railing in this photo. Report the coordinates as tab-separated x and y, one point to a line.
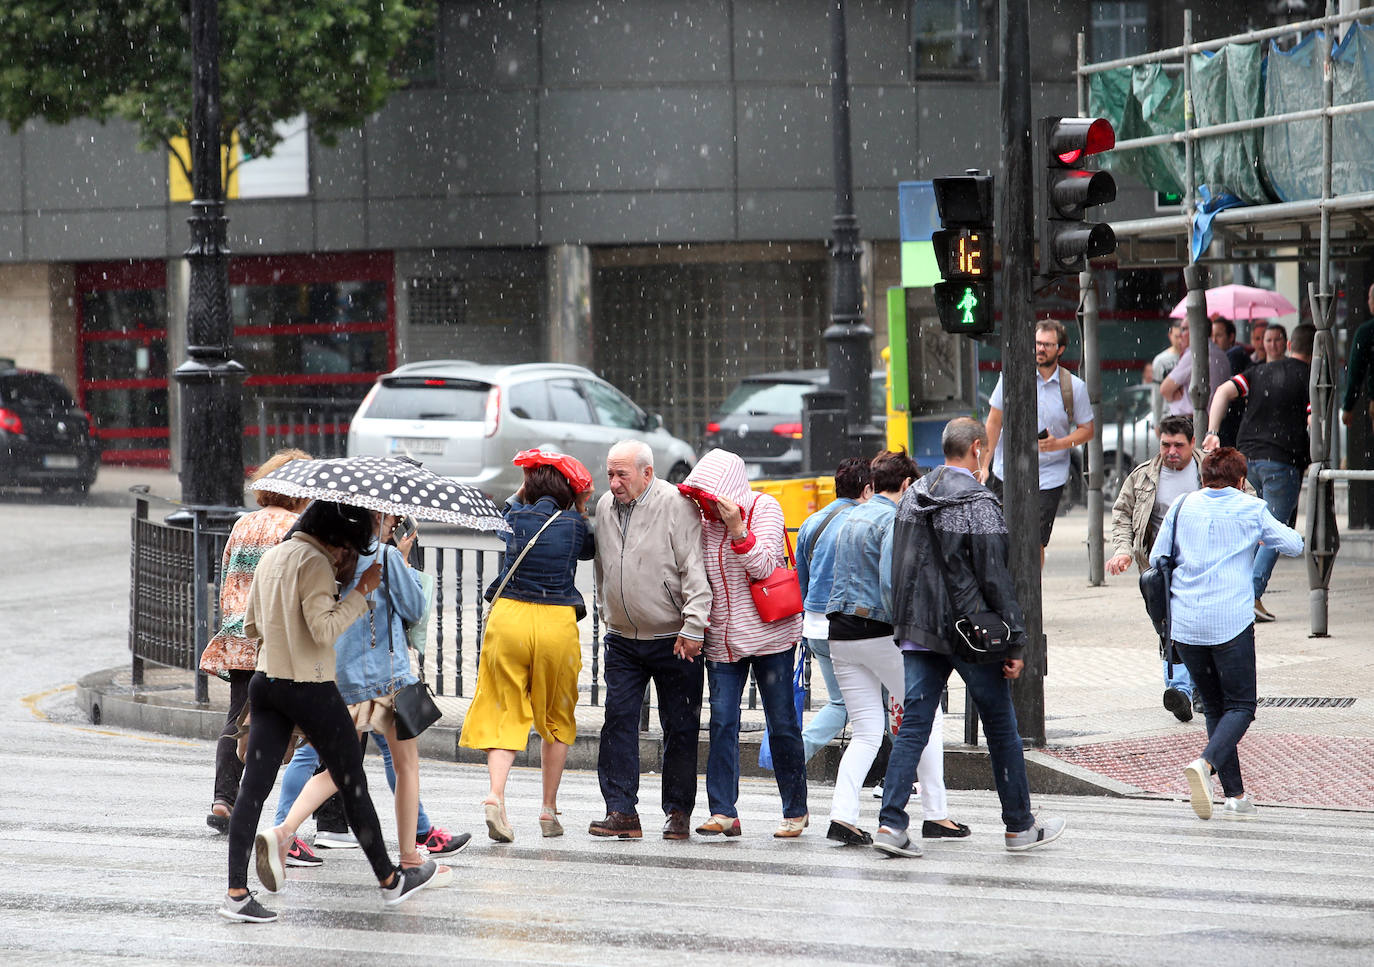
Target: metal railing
174	589
317	426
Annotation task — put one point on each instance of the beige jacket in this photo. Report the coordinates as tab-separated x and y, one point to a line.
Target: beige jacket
292	608
648	572
1131	513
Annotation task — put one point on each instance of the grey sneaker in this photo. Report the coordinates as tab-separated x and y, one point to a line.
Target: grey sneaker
325	839
409	882
1199	776
1044	831
1240	807
246	909
895	844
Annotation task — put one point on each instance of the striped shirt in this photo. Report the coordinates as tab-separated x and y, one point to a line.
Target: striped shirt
1219	530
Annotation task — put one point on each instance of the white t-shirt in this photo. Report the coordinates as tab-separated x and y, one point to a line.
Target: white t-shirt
1218	372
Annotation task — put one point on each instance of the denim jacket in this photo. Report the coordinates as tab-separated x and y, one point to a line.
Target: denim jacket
816	554
862	583
365	670
546	575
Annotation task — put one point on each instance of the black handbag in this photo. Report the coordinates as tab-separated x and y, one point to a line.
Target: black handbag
413	704
1156	583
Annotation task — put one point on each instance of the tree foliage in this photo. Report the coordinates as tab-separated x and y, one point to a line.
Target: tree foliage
334	60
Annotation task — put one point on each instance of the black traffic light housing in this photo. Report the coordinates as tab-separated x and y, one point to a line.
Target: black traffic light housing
1065	238
964	252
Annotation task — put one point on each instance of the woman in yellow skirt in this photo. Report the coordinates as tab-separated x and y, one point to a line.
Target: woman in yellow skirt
531	652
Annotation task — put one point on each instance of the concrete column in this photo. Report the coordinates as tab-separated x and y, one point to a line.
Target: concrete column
570	305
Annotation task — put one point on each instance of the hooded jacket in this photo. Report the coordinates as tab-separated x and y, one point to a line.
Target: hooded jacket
967	522
735	630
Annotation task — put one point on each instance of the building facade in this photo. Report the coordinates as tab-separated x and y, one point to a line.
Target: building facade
640	186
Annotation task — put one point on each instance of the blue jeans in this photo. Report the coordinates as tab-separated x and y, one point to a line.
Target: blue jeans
926	675
829	721
1225	677
630	664
303	765
1278	484
1180	678
773	673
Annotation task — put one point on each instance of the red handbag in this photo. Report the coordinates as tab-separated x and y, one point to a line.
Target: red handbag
778	595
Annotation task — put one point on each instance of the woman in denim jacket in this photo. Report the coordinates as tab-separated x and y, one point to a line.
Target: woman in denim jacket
531	650
372	663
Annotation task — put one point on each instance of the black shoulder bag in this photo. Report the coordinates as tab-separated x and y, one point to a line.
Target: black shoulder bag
980	637
413	704
1156	588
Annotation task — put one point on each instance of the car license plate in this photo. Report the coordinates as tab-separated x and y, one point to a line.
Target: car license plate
416	445
60	461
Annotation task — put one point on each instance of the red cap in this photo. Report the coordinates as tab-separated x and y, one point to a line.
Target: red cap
578	476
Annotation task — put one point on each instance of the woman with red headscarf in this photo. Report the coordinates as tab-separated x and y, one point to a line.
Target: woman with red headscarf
531	650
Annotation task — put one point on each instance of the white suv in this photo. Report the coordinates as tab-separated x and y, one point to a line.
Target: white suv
468	420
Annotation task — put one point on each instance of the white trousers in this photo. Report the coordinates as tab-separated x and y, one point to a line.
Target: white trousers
863	668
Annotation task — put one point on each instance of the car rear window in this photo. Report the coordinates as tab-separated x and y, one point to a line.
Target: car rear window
755	398
35	390
429	398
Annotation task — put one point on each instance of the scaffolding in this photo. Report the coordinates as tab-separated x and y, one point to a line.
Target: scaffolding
1247	234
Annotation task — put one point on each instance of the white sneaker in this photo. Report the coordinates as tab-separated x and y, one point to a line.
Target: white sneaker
1239	807
1199	776
327	840
1043	832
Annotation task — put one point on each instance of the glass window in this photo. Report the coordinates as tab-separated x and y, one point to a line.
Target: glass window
124	310
946	35
613	409
1118	29
761	398
34	390
568	403
530	401
309	303
427	398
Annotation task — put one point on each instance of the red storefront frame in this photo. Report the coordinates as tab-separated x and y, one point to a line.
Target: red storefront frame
245	270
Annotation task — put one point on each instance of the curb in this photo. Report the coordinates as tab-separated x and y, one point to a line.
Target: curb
154	709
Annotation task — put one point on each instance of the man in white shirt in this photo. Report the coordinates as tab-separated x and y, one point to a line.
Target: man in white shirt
1060	429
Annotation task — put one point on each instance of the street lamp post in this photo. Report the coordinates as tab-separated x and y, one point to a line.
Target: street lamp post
849	339
211	382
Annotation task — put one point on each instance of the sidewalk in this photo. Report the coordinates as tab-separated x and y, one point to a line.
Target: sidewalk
1107	731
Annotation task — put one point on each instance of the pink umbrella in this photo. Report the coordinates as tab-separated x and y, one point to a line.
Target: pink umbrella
1241	302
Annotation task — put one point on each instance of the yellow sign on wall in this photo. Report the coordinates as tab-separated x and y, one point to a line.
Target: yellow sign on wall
285	173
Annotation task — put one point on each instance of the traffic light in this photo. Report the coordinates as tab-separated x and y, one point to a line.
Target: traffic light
964	253
1066	240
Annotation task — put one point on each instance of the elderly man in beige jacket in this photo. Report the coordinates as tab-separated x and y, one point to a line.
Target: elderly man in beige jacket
654	600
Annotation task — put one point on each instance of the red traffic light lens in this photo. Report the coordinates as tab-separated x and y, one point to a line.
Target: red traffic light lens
1073	139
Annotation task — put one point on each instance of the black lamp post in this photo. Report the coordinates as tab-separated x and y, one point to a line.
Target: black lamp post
211	383
849	339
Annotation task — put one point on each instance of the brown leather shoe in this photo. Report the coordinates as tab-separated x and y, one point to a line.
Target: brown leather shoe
676	825
618	825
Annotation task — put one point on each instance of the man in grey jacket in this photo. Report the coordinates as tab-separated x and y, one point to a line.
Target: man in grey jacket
949	558
654	601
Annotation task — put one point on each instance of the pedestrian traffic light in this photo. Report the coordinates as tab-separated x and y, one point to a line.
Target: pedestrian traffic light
964	253
1066	239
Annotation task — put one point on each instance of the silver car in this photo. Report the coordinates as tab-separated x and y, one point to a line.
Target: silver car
468	420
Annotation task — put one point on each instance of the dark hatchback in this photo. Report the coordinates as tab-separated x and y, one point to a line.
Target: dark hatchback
45	438
761	420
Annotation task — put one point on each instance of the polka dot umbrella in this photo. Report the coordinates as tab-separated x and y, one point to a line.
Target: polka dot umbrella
392	485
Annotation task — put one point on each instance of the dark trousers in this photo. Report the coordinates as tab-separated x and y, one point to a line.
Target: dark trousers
276	705
1225	678
228	768
630	665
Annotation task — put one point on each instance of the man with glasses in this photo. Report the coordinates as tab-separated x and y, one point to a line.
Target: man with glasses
1146	496
1065	419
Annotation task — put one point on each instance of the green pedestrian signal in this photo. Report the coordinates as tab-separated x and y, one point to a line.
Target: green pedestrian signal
965	307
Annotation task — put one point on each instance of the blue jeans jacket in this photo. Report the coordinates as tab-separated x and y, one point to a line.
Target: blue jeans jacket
364	670
862	583
816	554
546	575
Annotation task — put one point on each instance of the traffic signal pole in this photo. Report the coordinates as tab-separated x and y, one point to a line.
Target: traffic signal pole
1021	457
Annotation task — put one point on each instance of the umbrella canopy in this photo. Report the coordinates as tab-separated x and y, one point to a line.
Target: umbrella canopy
392	485
1240	302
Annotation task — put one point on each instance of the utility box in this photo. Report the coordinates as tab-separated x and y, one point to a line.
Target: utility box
825	432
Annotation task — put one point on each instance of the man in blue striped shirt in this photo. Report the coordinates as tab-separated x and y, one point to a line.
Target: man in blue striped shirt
1213	535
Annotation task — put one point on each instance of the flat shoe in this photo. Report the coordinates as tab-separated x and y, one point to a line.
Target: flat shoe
792	827
549	825
933	830
847	834
718	824
498	828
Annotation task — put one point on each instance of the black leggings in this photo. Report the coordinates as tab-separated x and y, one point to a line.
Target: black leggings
276	705
228	768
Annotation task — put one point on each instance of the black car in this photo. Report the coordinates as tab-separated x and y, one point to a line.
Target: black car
45	438
761	420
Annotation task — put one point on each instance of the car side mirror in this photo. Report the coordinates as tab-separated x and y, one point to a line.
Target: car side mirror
652	422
